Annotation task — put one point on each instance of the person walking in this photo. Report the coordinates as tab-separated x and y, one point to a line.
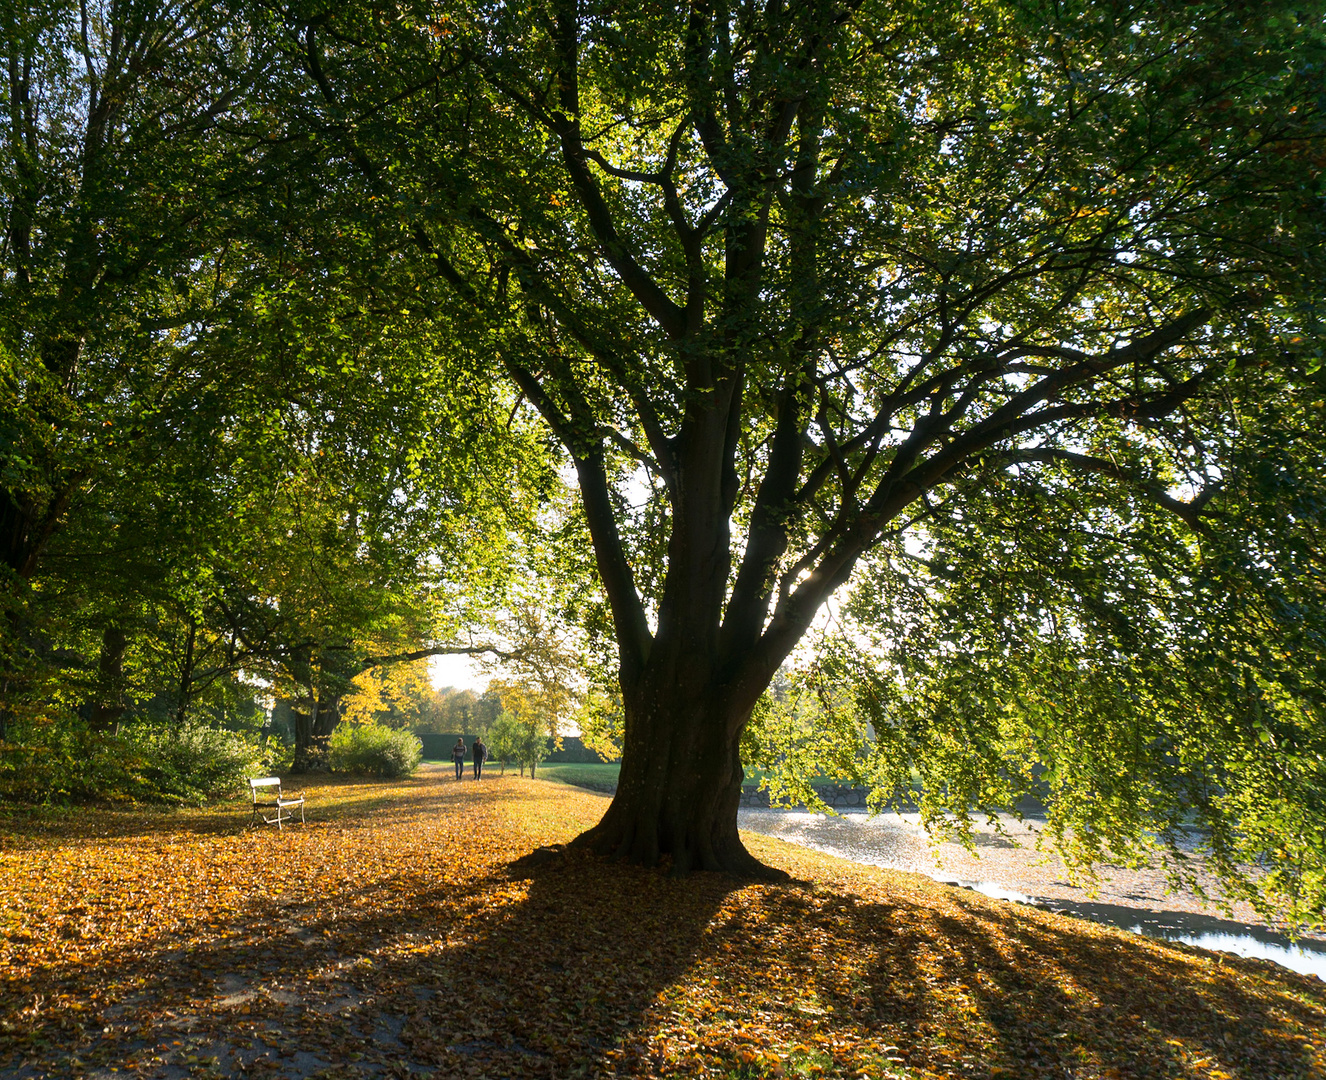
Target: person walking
480	756
458	756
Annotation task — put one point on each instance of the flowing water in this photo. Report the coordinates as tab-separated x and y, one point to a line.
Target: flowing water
898	842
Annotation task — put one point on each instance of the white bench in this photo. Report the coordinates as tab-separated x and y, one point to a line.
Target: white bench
283	806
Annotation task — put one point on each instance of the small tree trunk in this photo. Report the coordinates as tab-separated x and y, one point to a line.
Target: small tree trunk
9	683
186	676
109	704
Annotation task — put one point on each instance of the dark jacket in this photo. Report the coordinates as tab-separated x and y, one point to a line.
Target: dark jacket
480	750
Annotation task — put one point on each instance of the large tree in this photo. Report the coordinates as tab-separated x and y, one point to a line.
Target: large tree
120	178
789	281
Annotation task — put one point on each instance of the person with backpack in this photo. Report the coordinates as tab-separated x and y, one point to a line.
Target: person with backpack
458	757
480	756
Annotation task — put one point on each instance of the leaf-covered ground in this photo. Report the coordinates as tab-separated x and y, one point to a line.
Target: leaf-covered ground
391	937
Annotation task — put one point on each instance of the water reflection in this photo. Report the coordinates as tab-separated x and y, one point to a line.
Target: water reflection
890	840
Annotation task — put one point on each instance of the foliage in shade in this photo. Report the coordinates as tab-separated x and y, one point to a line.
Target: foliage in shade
233	443
151	764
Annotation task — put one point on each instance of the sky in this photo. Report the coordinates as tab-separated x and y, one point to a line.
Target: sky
458	671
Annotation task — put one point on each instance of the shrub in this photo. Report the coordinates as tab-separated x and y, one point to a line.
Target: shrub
65	763
197	762
373	750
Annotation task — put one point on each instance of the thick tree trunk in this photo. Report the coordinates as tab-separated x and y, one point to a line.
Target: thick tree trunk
14	526
680	787
329	715
313	731
27	525
26	528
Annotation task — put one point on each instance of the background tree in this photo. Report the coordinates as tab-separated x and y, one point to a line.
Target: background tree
119	170
395	696
521	728
293	506
503	739
463	711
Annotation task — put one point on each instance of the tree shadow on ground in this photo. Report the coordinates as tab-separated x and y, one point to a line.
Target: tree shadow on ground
498	973
580	967
965	987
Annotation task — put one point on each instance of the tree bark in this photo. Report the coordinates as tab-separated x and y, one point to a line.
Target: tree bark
680	785
9	681
109	704
329	715
186	676
313	731
303	741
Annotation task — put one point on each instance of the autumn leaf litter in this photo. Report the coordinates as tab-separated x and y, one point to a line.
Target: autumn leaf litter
393	937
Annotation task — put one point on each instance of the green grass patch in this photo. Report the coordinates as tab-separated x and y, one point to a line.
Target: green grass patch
601	777
754	777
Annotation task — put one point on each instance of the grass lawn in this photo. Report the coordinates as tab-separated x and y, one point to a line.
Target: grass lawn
392	937
601	777
604	777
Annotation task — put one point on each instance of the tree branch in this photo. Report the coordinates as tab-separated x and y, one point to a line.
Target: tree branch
1188	512
370	662
566	125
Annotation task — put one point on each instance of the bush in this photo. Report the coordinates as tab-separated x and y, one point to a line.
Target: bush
198	762
65	763
373	750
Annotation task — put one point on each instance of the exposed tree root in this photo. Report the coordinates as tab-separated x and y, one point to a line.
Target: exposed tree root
640	847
